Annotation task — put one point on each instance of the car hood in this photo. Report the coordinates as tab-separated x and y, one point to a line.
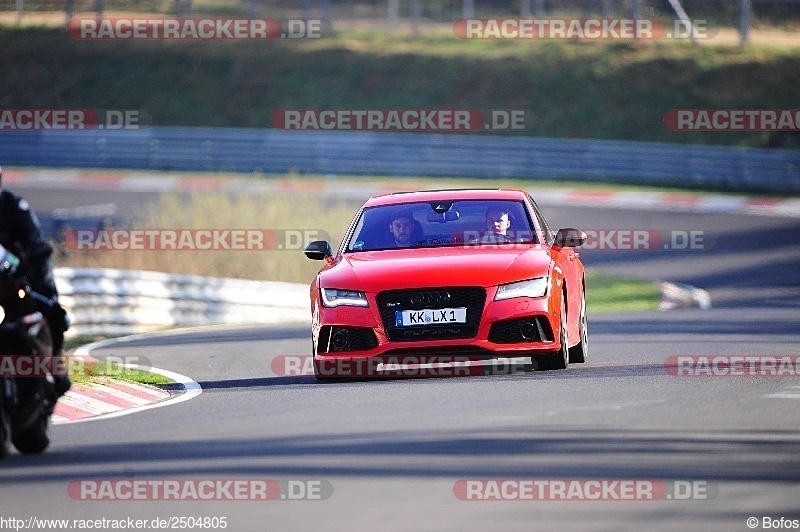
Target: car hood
373	271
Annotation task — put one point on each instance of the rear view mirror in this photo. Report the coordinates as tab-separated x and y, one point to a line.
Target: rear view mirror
569	237
442	217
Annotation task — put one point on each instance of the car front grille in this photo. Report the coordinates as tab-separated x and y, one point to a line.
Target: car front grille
471	298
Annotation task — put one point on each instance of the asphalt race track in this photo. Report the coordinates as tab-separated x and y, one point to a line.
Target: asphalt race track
396	455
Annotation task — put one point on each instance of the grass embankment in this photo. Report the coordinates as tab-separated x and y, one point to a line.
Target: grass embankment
210	210
611	90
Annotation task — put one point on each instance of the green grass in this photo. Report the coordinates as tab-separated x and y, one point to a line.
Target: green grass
612	90
73	342
82	373
618	294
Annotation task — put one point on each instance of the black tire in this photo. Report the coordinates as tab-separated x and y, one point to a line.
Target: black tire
320	377
558	360
32	440
580	352
317	374
5	429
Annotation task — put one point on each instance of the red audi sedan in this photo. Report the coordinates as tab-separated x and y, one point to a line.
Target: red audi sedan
434	279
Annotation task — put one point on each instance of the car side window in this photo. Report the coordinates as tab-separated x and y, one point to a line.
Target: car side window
548	233
356	227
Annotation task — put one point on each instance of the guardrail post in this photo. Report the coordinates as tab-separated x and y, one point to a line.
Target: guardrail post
416	14
468	9
745	10
393	15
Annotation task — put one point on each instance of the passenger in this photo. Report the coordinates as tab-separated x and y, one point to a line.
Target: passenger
497	225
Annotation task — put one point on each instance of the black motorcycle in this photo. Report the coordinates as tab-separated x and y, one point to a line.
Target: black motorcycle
27	390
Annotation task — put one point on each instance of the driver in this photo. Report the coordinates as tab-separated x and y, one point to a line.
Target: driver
402	227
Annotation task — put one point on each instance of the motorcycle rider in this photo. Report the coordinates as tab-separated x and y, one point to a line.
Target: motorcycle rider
21	234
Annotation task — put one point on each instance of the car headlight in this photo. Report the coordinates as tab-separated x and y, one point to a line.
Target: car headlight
531	288
332	297
2	314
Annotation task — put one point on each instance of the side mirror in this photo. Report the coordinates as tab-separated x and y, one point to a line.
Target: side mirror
318	250
569	237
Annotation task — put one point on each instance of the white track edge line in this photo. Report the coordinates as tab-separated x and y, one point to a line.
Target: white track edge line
191	389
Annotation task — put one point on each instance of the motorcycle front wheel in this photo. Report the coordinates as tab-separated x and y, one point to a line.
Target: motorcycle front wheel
32	440
5	429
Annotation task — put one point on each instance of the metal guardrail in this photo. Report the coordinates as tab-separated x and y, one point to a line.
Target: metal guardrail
407	154
105	301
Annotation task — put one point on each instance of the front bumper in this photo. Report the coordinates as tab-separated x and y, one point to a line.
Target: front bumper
354	341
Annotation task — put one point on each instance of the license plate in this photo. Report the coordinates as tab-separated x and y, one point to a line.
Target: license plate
406	318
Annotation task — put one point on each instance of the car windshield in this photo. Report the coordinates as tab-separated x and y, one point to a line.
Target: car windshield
444	223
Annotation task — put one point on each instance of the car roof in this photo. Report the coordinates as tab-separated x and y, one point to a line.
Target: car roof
490	194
